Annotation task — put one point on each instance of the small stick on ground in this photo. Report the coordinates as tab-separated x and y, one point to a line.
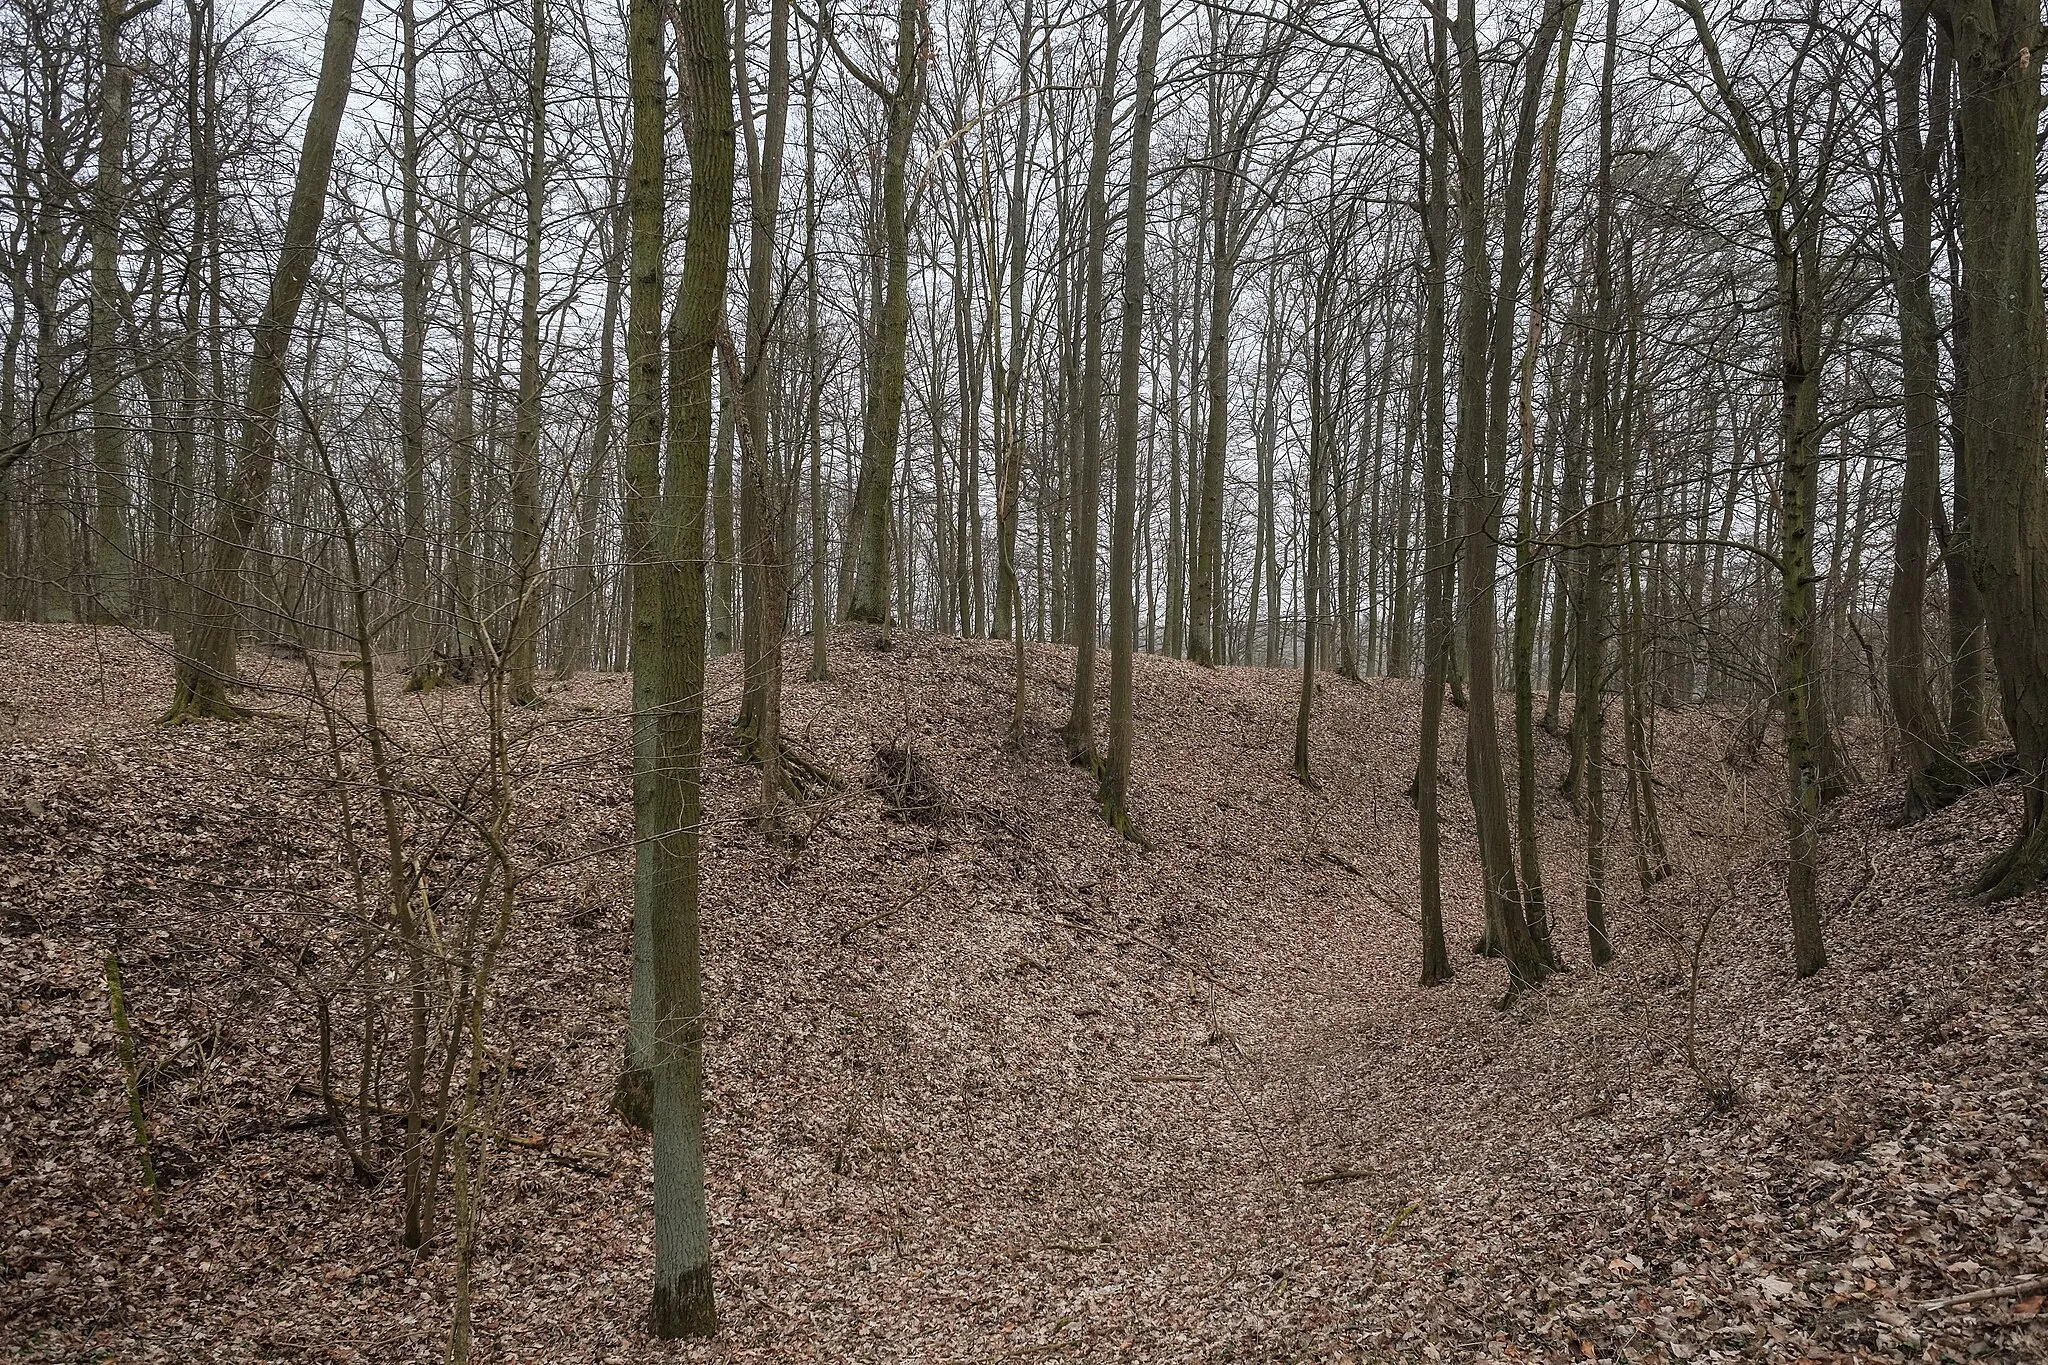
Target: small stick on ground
2000	1291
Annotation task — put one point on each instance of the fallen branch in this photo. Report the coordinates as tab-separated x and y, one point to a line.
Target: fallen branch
1341	861
1336	1177
2001	1291
1125	936
1366	884
846	935
539	1146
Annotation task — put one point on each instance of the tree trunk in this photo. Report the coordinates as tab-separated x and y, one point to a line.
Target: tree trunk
1480	495
113	555
1997	44
206	662
673	610
814	386
1079	732
1436	548
1526	597
580	621
765	494
1009	474
1116	768
1589	710
412	352
883	430
523	621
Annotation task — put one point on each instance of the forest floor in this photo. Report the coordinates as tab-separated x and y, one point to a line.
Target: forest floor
1000	1085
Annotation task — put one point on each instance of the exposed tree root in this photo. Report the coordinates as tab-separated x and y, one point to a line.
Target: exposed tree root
633	1098
2021	868
1940	784
192	704
1119	818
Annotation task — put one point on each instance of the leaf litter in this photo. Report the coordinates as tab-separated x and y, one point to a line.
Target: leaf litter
992	1083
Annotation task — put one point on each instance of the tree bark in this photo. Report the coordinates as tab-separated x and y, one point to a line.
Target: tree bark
882	432
523	621
206	660
676	624
1934	774
1116	767
764	489
1998	51
113	554
1589	710
1079	732
1436	547
1480	496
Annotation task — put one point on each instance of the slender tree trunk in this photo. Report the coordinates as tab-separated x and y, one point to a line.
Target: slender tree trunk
1401	629
1798	491
1206	645
1566	17
1314	551
1653	863
682	1299
1116	767
1436	546
1589	710
206	662
1263	549
113	554
1934	775
1079	732
580	621
462	433
814	386
1527	565
724	552
1792	214
1010	374
883	430
1480	495
524	618
412	350
764	494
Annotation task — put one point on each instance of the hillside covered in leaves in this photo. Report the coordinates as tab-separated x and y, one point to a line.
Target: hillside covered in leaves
986	1080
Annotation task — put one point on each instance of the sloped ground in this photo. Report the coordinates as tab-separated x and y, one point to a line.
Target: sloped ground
1002	1086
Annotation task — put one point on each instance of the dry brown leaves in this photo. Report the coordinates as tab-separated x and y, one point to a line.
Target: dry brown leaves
1002	1086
